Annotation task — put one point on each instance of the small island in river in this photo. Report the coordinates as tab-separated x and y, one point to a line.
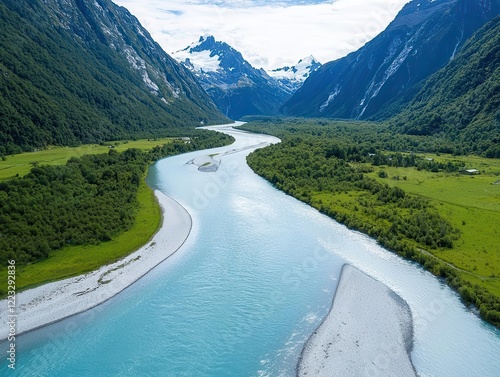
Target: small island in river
368	332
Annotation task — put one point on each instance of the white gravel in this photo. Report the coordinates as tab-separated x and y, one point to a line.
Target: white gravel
368	332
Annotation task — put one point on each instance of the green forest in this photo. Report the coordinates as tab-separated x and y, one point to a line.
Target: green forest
368	137
89	200
330	164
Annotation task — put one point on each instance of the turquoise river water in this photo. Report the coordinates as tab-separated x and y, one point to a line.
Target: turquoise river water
241	297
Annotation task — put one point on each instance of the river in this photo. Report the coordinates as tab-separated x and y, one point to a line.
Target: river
241	297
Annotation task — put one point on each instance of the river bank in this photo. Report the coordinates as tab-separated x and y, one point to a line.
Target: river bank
55	301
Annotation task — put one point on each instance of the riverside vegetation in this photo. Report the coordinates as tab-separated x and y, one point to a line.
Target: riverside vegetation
63	220
418	205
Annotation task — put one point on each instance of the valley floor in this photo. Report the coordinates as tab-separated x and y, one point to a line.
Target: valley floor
423	205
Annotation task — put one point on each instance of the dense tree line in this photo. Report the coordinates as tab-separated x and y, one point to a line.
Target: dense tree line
304	167
368	142
89	200
362	137
316	164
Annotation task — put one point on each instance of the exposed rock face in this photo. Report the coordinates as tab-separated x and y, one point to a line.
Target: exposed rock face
86	70
378	79
237	88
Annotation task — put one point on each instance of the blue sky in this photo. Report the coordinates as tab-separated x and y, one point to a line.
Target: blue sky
269	34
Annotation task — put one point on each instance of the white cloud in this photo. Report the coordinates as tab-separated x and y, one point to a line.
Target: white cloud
269	34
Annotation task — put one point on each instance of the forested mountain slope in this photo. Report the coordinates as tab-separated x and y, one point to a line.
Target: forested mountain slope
74	71
462	100
376	81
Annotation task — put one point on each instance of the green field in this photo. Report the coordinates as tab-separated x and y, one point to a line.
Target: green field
470	203
76	260
22	163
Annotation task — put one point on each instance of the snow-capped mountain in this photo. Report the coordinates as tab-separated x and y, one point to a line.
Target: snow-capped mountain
237	88
376	81
199	59
293	77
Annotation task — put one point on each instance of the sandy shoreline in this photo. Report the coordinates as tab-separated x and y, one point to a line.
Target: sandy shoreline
368	332
55	301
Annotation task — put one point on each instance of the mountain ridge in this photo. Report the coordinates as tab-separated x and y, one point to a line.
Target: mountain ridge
79	71
376	81
238	88
462	100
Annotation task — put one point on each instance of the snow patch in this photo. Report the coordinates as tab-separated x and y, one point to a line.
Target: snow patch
396	63
98	6
200	61
299	72
140	64
106	30
135	60
458	44
375	87
140	32
331	97
149	83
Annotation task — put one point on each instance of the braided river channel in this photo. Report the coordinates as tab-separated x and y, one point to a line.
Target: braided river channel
253	281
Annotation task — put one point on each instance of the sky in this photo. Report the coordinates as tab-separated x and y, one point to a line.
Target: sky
269	34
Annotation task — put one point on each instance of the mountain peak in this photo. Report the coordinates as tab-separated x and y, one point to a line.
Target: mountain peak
237	88
308	59
209	55
293	77
207	38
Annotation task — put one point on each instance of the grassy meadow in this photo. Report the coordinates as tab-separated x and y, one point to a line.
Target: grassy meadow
22	163
471	203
